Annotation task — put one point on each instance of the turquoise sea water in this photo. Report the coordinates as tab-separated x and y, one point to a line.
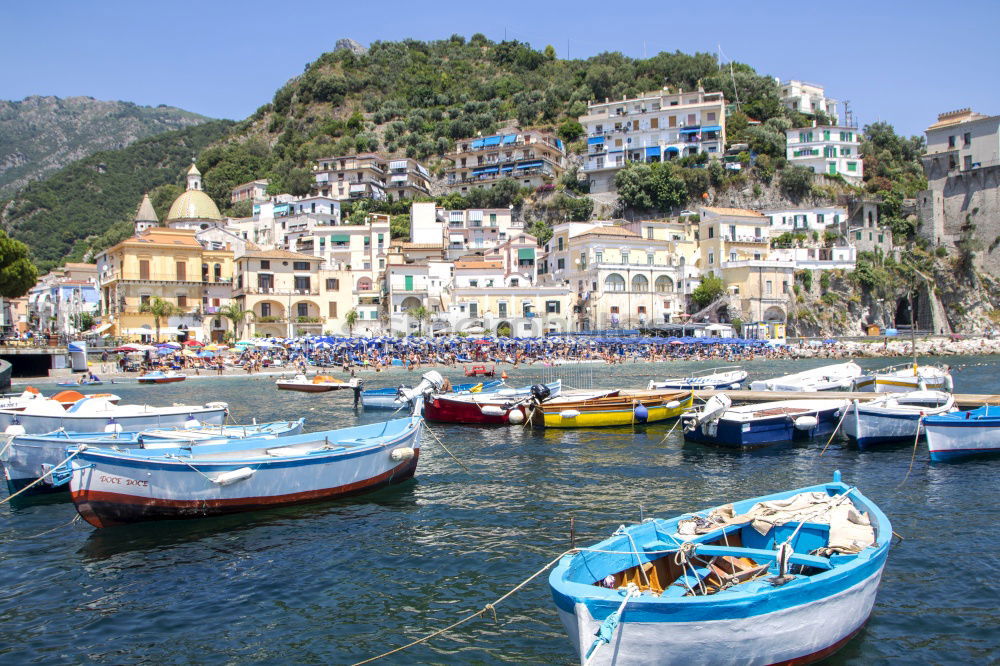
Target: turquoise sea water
342	581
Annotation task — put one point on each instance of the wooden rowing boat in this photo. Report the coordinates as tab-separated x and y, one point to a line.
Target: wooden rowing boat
619	410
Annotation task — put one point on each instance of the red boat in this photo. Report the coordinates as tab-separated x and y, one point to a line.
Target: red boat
492	408
480	370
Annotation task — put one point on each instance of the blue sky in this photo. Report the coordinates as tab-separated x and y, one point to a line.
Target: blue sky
900	61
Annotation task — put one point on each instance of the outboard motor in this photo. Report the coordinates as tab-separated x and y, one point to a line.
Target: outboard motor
430	382
540	392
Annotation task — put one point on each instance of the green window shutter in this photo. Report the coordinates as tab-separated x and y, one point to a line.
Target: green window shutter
852	166
526	253
857	235
408	283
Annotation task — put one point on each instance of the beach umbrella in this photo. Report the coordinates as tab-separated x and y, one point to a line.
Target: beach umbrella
206	354
193	343
125	348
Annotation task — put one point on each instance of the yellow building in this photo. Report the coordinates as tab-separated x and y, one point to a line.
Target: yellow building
290	295
170	264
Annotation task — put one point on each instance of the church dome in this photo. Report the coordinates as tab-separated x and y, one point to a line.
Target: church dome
193	204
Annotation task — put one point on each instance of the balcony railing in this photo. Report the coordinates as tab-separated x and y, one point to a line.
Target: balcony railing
271	291
743	239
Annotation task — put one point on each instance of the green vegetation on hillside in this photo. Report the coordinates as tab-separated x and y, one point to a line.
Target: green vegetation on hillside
63	216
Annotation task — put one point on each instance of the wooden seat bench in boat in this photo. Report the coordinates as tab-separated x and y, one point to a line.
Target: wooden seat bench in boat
782	411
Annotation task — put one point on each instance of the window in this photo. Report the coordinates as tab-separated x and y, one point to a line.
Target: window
664	284
614	282
265	265
300	265
493	219
967	162
640	283
650	258
552	307
767	287
473	309
333	284
144	269
514	282
641	309
852	166
526	309
967	139
598	256
951	141
144	298
732	232
560	264
181	271
332	312
857	235
583	260
711	232
649	233
819	218
182	300
302	283
711	258
732	256
265	309
845	152
784	286
473	283
559	244
614	309
265	282
826	135
302	309
625	257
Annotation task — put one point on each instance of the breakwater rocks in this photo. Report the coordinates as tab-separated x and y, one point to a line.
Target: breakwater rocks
966	346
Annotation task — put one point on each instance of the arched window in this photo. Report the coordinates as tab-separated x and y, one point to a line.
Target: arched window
640	283
364	284
664	285
614	282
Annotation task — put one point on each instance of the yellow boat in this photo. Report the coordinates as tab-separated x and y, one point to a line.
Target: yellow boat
623	409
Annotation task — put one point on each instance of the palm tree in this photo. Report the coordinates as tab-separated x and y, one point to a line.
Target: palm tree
235	313
421	314
351	318
160	309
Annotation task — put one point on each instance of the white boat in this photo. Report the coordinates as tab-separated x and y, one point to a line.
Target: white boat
788	578
112	487
905	377
729	377
318	384
30	456
894	417
101	415
836	377
961	435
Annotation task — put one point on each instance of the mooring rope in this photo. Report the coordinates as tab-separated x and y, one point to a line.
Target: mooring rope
455	458
42	477
75	519
913	457
488	608
854	405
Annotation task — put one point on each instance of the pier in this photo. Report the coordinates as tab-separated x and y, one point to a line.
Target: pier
963	400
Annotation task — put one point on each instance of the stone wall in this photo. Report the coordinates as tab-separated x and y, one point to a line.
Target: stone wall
955	196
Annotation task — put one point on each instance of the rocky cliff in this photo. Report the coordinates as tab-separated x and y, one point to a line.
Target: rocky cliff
39	135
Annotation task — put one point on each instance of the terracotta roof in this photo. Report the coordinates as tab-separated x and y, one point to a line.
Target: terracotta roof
610	231
278	254
164	236
478	263
742	212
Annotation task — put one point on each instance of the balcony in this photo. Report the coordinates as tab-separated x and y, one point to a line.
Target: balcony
272	291
758	240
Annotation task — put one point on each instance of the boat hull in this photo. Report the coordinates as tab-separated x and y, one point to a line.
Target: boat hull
800	634
445	410
306	388
763	431
111	491
623	415
160	380
961	439
40	424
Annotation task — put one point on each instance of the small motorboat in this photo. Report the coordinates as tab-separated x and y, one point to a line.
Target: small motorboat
112	487
959	435
502	407
480	370
836	377
390	398
751	426
787	578
77	384
31	456
622	409
894	417
161	377
317	384
729	377
906	377
93	414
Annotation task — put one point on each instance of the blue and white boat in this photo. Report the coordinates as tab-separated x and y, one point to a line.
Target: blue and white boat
27	457
763	424
100	414
894	417
112	487
786	578
389	398
962	434
729	377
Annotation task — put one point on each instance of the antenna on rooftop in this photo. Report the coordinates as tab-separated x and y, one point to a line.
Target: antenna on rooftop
732	76
848	114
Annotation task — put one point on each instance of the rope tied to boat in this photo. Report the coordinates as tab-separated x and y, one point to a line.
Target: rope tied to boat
853	405
82	447
606	632
913	457
446	449
490	607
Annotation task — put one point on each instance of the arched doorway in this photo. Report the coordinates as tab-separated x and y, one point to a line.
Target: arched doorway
774	313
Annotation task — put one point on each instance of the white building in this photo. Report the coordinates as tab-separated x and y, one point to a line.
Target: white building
805	219
827	149
807	98
461	232
658	126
